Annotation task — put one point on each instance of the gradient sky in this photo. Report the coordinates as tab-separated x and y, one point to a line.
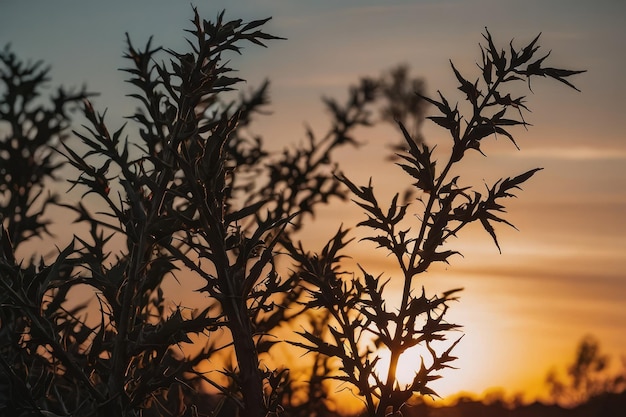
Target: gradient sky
561	276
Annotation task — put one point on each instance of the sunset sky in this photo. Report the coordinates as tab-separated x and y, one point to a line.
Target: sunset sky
560	277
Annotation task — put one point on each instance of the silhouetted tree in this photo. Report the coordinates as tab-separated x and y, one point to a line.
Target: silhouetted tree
588	376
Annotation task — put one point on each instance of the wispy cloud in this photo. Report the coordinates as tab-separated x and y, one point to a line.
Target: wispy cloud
571	153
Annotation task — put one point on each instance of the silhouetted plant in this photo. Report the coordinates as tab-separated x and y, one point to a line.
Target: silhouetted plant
356	301
31	127
190	194
31	130
194	194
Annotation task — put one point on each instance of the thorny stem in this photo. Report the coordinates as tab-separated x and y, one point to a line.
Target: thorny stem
371	407
233	303
412	269
116	381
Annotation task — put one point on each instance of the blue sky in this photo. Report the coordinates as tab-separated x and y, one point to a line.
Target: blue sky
561	276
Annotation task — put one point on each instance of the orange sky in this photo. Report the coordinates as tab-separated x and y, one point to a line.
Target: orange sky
560	277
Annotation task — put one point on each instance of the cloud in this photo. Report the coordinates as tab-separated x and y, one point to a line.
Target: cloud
576	153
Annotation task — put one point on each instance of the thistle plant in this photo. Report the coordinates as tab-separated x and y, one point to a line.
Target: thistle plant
192	193
363	320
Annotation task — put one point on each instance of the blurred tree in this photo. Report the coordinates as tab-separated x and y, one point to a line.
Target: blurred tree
31	128
588	376
404	103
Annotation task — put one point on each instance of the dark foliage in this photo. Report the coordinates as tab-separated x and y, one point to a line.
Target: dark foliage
193	194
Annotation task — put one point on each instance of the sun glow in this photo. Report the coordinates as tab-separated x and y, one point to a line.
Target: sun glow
408	365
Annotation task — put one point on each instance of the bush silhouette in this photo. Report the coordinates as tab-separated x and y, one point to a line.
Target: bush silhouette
586	378
192	194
